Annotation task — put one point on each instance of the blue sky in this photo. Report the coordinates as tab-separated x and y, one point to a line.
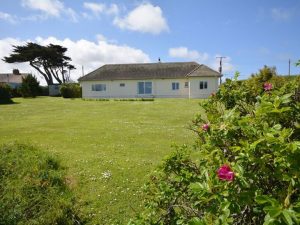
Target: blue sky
249	33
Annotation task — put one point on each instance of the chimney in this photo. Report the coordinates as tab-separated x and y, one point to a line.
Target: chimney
16	72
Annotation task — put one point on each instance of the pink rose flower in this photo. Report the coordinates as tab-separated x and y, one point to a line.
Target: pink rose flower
205	127
225	173
268	86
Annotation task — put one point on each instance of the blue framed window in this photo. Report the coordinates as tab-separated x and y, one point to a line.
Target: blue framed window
98	87
144	87
175	86
203	84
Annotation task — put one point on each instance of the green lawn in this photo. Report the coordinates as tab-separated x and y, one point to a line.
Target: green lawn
123	140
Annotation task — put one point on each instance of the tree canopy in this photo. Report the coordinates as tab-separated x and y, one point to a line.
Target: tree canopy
50	61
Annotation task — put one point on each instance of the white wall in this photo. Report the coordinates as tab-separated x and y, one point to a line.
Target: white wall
161	88
196	92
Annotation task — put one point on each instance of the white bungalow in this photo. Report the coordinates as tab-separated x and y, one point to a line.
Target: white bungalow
150	80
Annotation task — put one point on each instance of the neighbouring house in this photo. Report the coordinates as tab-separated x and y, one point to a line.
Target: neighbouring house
150	80
14	79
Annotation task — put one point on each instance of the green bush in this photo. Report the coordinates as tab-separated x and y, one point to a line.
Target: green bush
44	91
16	92
5	94
30	87
71	90
244	168
33	188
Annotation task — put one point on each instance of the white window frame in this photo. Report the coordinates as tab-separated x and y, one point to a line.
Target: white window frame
186	84
98	87
203	85
175	86
144	83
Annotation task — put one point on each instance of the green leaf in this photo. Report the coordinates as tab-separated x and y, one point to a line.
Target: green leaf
286	98
277	127
268	220
273	211
287	217
262	199
196	221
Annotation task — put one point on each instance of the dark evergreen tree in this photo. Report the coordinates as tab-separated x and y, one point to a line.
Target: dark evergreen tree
50	61
30	86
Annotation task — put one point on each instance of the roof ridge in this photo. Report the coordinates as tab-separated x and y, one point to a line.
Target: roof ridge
194	70
114	64
171	70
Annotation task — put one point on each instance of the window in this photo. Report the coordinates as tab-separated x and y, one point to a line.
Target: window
98	87
186	84
203	84
122	85
175	86
144	87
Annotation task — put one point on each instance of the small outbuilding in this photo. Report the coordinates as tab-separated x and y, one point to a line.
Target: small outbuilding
151	80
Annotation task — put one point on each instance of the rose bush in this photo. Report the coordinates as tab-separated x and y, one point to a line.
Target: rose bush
244	167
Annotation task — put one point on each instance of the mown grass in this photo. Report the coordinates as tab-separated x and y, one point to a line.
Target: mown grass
109	147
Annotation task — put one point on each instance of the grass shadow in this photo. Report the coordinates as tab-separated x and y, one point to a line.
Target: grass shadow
9	103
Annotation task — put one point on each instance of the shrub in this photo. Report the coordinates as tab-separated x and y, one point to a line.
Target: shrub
30	87
33	188
16	92
244	168
5	96
44	91
71	90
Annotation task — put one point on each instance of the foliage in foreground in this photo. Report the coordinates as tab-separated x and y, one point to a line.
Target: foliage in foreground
245	167
5	97
33	188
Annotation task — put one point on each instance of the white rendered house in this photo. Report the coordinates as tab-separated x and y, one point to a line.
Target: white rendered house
150	80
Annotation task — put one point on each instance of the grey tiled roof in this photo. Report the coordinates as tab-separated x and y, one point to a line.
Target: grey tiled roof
150	71
11	78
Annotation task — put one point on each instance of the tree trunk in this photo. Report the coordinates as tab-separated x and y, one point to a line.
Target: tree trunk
48	80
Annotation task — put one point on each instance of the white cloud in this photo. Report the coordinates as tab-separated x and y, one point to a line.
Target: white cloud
96	8
100	8
185	53
227	66
202	58
71	14
83	52
144	18
49	7
113	9
7	17
280	14
5	49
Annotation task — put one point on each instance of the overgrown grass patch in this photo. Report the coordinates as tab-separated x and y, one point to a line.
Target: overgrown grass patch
128	139
33	188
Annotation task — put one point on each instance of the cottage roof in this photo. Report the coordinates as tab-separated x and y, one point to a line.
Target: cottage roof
140	71
12	78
